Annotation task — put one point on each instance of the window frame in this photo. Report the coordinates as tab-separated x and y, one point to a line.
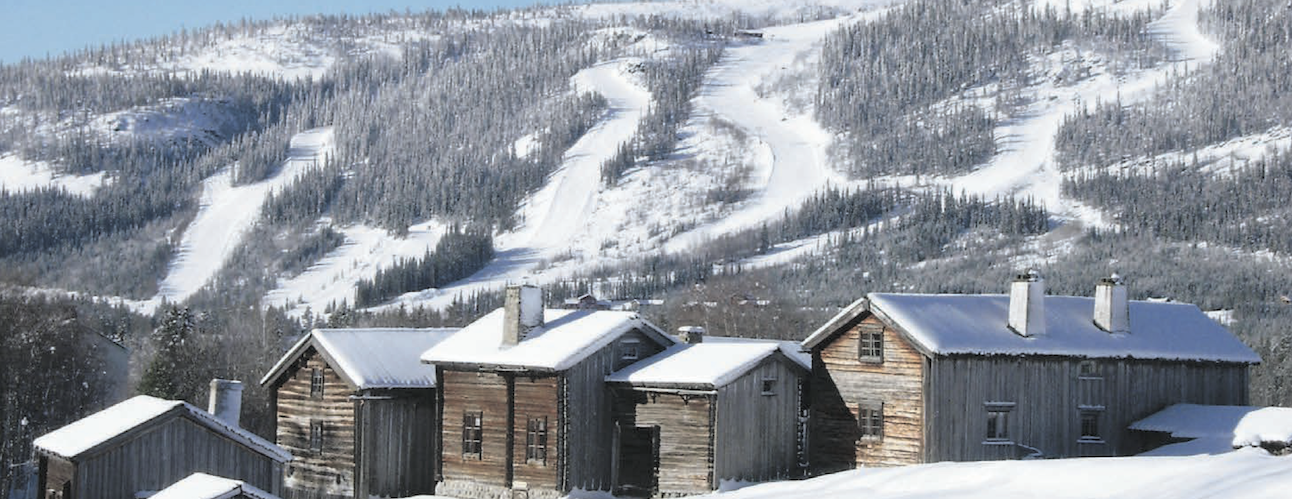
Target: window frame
870	343
316	436
630	350
1091	415
769	384
998	418
536	438
473	435
870	420
317	382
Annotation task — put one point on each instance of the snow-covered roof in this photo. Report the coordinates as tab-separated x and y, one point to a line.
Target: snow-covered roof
1195	420
1265	426
370	358
566	337
100	428
204	486
976	325
707	364
788	347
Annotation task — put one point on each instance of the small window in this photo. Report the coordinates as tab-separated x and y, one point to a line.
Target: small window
998	421
871	348
630	349
870	420
316	384
316	436
536	441
472	429
1089	370
1090	426
769	385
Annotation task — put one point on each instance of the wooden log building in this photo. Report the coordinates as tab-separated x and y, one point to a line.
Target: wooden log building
524	403
708	411
144	444
908	378
358	410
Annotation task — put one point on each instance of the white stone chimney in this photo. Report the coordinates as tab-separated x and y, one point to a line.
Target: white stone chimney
1027	304
522	312
691	334
225	401
1112	309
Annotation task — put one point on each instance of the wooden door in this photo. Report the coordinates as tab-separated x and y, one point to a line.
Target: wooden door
638	461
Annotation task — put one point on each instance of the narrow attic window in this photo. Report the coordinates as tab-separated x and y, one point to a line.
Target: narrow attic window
630	349
871	346
472	429
316	384
769	385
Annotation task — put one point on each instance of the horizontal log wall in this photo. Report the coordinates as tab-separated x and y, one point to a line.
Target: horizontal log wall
686	451
1049	395
168	452
841	382
487	393
756	433
331	471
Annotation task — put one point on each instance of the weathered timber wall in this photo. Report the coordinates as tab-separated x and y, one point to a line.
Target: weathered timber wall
487	393
329	472
756	433
535	397
1049	396
166	453
587	425
841	383
397	444
686	436
57	473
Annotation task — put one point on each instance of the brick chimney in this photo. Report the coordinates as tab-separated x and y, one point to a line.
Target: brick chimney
225	402
1112	310
522	312
691	334
1027	304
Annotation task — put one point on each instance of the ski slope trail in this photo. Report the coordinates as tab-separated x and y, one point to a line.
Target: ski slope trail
798	165
228	212
554	215
1027	166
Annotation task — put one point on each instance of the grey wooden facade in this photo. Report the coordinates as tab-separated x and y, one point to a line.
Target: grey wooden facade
956	406
155	455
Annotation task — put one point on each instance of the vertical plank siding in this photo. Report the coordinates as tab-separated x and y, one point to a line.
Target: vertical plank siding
756	433
397	445
167	453
317	474
535	398
841	382
1049	396
482	392
686	437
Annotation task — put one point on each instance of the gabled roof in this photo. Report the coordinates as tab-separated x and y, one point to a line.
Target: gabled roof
204	486
977	325
1195	420
706	365
369	358
103	428
566	338
788	347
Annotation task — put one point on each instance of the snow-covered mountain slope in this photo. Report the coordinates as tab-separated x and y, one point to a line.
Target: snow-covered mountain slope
17	175
226	215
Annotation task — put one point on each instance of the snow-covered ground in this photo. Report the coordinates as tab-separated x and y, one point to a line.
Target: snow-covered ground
227	213
18	175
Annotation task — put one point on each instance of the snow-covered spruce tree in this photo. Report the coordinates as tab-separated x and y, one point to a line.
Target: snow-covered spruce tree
175	371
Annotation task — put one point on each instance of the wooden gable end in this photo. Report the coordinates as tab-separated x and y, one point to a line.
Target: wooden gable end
850	383
318	429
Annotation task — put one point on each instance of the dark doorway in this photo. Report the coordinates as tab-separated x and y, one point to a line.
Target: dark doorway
638	460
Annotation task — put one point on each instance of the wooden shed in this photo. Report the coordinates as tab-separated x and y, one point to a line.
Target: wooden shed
358	410
706	412
145	444
909	378
525	408
204	486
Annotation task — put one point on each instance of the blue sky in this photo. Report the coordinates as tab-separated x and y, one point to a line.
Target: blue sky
36	28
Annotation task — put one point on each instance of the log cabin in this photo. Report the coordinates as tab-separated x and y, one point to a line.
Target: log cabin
909	378
705	412
358	410
145	444
524	403
204	486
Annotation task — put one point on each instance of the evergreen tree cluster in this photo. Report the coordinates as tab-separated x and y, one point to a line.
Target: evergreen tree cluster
457	255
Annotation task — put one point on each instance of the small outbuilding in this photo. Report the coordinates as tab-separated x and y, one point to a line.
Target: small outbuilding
204	486
708	411
358	409
145	444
